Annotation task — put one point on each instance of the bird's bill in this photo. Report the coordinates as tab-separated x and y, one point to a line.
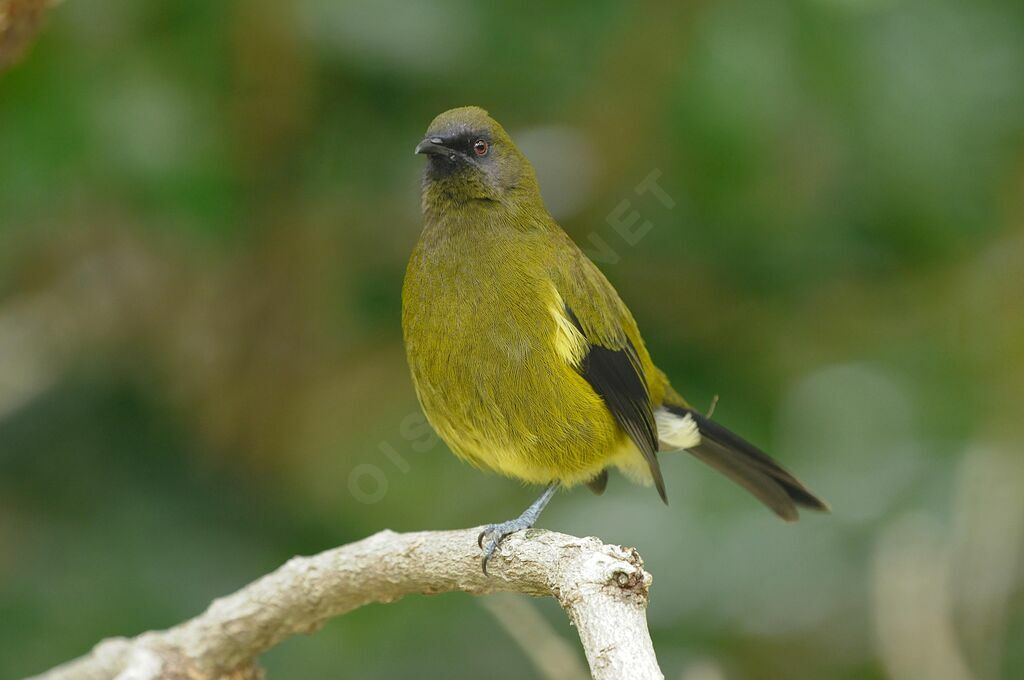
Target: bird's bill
433	146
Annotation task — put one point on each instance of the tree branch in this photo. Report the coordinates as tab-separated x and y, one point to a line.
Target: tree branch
603	588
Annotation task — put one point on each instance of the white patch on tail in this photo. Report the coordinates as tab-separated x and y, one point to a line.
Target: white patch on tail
679	432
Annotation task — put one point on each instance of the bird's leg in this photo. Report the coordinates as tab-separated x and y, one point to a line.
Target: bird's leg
495	533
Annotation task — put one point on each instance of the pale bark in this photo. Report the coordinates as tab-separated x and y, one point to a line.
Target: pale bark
603	588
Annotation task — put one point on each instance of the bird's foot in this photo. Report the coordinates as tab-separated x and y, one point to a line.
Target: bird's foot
494	534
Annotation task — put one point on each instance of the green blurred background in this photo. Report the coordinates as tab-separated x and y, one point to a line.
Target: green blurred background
205	213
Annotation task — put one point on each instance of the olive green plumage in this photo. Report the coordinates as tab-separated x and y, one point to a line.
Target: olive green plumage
524	358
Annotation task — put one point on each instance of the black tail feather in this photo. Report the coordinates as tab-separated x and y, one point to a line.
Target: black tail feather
751	468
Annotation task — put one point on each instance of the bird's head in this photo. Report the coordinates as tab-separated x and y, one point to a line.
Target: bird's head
471	157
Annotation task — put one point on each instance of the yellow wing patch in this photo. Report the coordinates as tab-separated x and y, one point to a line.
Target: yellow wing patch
570	344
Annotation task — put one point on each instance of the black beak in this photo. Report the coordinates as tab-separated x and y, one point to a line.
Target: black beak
433	146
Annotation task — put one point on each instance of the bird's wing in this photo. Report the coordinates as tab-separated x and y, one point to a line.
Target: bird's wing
612	358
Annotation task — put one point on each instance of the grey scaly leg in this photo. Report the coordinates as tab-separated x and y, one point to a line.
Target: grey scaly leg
495	533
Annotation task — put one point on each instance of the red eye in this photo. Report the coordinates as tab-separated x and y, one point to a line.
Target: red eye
480	147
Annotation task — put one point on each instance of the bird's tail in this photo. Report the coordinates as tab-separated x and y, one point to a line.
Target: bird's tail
739	460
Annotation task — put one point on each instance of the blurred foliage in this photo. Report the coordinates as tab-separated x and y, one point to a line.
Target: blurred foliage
205	211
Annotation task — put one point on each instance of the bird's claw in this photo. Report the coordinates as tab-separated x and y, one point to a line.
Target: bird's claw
495	534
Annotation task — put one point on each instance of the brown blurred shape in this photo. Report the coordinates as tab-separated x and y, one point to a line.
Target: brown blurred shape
19	22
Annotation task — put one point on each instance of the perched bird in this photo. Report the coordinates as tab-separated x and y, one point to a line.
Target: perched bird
524	358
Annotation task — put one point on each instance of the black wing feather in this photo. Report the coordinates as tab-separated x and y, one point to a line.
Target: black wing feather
616	376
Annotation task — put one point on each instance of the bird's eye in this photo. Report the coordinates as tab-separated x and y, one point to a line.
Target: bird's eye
481	147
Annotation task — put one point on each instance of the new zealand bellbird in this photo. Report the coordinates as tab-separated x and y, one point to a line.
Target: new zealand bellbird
523	356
